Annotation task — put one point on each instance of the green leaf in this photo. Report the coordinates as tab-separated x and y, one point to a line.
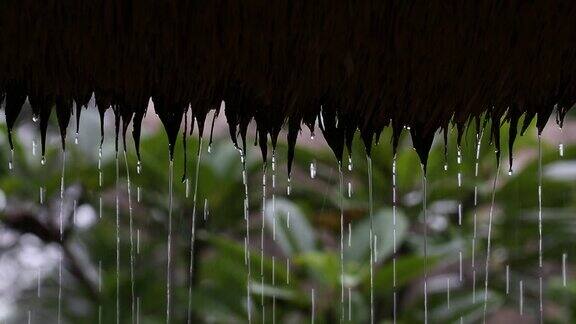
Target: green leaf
287	223
359	250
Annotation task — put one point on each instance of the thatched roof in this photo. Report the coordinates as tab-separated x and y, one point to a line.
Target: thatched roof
362	66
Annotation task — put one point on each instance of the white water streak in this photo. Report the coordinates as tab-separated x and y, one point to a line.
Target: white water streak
487	264
169	241
131	228
372	250
193	231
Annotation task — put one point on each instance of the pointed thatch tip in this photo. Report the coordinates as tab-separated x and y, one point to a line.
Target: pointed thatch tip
292	67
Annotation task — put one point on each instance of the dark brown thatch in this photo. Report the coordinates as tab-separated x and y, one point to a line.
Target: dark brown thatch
362	66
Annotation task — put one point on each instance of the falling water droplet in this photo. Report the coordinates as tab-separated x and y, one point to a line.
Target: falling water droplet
313	314
187	187
350	190
561	144
460	265
100	166
138	165
507	279
445	166
448	293
100	207
138	194
209	148
35	118
74	212
521	299
39	282
564	257
245	252
289	187
349	234
138	241
11	161
349	304
43	160
510	172
33	147
206	209
375	248
313	169
42	195
459	214
287	271
459	162
76	138
350	167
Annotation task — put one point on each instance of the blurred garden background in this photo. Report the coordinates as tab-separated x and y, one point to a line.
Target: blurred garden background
301	242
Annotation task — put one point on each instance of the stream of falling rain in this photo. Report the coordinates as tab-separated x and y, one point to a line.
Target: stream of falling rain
372	244
489	238
169	241
350	167
341	196
138	171
128	184
117	239
61	221
561	144
99	181
262	224
540	252
247	237
459	167
193	231
475	217
424	209
61	217
394	292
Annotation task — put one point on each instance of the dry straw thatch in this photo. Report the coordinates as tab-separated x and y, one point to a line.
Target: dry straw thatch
362	65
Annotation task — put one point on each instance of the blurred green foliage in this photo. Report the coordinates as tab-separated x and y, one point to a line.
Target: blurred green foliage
309	238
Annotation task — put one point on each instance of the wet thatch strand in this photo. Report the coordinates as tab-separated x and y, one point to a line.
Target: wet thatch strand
368	65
